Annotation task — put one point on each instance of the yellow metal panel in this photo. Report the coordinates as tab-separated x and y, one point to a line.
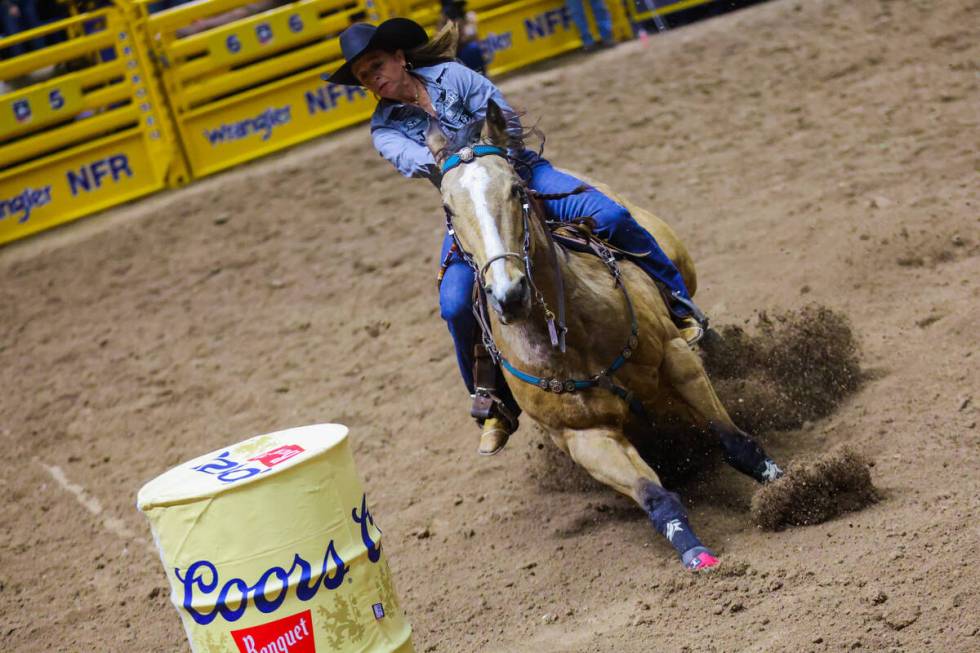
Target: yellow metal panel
288	112
75	132
185	14
262	35
98	99
65	24
201	66
38	106
84	181
73	49
242	90
103	137
520	33
674	7
269	69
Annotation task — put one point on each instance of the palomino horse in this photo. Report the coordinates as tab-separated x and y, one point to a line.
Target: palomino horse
624	356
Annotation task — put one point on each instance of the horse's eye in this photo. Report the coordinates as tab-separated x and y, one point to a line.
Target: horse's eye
515	190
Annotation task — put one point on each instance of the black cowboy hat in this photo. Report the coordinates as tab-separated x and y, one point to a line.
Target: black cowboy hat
360	38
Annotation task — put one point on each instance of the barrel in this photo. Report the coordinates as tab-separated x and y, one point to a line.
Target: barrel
269	546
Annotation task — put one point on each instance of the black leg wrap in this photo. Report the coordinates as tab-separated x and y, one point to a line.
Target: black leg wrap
670	519
742	453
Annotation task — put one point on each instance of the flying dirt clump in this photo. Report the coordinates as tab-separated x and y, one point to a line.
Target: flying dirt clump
798	366
814	491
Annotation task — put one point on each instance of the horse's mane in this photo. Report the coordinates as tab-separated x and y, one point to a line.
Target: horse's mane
517	135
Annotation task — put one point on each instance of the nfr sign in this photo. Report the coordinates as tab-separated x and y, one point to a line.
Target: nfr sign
546	23
328	96
90	176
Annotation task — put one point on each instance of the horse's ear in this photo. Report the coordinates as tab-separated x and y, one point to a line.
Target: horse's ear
437	141
495	126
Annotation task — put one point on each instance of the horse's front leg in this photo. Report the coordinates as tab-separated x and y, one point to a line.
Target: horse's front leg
609	457
683	370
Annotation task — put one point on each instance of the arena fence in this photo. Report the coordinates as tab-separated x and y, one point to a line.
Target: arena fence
84	126
642	10
131	102
514	34
251	84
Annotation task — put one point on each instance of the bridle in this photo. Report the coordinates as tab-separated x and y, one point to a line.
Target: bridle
556	324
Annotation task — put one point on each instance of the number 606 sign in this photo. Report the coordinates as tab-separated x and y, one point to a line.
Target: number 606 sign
253	37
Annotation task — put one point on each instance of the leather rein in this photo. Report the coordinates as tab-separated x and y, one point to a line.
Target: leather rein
569	233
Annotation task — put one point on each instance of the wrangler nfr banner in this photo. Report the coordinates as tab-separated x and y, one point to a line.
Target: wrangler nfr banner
243	79
82	124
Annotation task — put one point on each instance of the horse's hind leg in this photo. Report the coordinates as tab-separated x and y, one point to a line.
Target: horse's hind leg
683	370
611	459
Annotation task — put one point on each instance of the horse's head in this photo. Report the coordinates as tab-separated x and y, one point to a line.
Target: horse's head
485	199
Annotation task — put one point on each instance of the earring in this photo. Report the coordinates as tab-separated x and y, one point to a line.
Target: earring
408	65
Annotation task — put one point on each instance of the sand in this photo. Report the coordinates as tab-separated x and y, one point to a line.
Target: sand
808	152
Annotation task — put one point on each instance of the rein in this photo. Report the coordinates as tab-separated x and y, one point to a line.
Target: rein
573	233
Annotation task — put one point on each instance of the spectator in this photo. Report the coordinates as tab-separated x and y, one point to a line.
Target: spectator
602	20
204	24
468	49
20	16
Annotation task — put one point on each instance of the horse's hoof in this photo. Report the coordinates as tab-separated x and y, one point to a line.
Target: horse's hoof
699	558
494	437
710	340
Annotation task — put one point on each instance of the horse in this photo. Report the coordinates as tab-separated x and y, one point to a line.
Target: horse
625	360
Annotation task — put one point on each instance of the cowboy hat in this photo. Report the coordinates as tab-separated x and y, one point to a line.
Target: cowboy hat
360	38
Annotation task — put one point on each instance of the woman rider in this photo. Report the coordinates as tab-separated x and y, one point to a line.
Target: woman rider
417	81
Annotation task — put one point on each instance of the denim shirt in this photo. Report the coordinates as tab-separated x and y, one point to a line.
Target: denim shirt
459	97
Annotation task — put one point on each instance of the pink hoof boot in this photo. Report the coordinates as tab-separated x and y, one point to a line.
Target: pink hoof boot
699	558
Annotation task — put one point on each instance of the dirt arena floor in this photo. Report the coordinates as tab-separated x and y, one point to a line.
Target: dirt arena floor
821	151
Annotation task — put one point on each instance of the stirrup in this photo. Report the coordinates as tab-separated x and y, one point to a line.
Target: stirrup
487	405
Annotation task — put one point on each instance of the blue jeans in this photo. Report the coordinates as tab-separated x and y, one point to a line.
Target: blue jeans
613	222
602	19
472	57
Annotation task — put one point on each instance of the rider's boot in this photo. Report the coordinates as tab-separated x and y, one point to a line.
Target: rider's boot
498	413
690	329
692	326
496	432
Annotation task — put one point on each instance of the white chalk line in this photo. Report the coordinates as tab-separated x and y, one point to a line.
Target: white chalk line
112	524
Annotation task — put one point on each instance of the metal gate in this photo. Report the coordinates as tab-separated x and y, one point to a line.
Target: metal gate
81	128
242	85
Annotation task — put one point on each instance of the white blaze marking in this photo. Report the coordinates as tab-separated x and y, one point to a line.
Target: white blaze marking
476	180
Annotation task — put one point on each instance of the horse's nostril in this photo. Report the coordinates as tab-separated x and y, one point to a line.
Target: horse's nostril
514	296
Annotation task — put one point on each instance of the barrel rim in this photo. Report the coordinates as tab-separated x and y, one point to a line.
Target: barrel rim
159	493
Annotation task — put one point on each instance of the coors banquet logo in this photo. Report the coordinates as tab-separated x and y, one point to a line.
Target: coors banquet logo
293	634
204	587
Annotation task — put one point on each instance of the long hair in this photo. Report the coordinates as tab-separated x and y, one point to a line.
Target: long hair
439	49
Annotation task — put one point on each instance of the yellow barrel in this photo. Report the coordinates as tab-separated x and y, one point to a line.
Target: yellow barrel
270	547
